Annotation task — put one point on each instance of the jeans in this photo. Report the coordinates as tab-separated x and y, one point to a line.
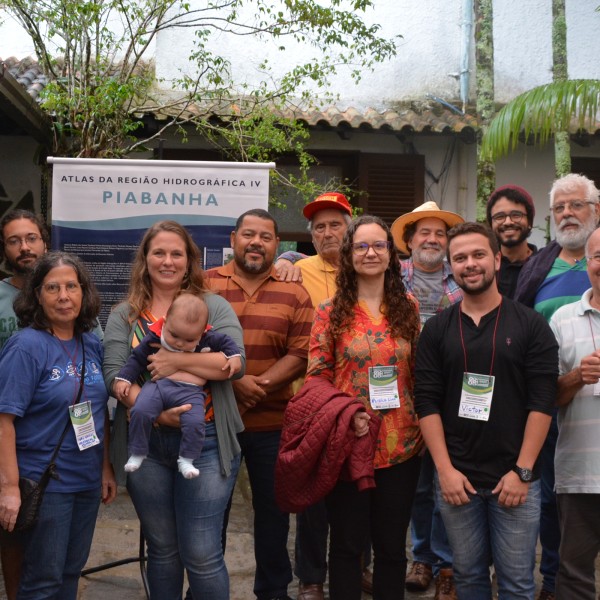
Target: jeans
385	512
57	548
428	534
482	532
312	530
549	525
271	526
579	546
182	519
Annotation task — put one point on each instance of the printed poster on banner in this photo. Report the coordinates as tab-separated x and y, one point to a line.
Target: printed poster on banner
102	207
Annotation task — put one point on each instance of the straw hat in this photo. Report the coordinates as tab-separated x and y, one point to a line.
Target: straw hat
428	209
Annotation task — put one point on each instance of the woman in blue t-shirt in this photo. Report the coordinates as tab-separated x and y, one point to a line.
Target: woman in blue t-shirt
41	371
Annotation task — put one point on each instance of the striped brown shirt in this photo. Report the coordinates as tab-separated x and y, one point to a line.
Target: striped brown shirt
276	320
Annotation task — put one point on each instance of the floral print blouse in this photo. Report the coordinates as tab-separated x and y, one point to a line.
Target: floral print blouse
345	363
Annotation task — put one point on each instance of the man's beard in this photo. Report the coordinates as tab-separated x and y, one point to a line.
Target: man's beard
424	256
575	240
21	269
513	242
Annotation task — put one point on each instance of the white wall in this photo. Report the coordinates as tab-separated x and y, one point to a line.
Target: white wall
429	52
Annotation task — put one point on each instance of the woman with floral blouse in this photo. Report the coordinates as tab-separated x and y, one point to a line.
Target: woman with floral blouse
371	323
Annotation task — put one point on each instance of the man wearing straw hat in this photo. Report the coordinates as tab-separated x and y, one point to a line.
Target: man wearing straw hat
422	233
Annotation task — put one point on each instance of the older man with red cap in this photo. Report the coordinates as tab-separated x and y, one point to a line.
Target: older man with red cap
328	217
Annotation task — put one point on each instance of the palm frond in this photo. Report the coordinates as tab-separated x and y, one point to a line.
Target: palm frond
538	113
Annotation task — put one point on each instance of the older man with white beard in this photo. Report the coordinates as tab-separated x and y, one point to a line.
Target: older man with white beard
555	276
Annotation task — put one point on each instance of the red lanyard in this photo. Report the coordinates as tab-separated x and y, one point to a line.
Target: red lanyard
462	339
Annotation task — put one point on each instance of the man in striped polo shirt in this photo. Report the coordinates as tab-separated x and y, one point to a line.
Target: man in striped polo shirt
276	318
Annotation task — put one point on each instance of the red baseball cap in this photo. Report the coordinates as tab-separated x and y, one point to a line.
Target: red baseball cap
331	200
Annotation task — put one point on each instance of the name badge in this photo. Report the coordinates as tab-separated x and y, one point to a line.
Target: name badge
476	396
383	388
82	420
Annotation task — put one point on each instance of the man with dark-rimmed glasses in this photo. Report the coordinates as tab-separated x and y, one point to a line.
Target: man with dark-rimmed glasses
510	211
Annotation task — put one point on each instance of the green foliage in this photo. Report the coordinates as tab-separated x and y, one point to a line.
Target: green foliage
102	80
538	113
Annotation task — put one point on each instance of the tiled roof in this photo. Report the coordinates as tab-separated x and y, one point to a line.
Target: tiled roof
28	73
408	120
399	121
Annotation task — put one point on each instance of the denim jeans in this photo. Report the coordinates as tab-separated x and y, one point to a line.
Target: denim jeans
482	532
182	519
549	523
57	548
428	534
271	526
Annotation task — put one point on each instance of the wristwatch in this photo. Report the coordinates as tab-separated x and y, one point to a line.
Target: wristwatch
525	475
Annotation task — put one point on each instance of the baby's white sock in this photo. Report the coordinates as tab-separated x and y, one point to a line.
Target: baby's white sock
187	468
134	463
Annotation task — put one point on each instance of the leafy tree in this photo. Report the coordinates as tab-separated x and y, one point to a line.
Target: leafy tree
97	55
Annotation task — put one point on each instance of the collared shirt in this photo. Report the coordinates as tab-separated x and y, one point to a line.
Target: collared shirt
276	319
451	292
577	461
318	277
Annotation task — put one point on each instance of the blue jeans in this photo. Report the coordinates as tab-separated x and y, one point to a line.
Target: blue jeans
271	526
57	548
482	532
182	518
428	534
549	523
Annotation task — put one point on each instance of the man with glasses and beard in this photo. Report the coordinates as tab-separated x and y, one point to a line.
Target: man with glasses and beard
510	211
422	233
555	276
23	239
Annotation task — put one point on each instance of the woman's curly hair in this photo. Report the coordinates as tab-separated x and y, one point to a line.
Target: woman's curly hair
140	286
399	309
30	312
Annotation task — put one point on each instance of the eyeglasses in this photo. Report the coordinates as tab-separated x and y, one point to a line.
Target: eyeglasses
30	239
595	258
53	289
514	215
361	248
574	205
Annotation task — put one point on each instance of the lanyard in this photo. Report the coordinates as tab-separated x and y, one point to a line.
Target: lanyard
462	339
591	331
79	376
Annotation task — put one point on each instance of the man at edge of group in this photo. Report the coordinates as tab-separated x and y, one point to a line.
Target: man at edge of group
553	277
422	233
510	212
276	318
577	462
23	239
486	381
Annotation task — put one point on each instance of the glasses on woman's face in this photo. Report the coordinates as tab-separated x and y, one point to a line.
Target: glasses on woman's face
53	289
514	215
361	248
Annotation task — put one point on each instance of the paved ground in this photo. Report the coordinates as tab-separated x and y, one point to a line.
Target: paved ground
117	537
